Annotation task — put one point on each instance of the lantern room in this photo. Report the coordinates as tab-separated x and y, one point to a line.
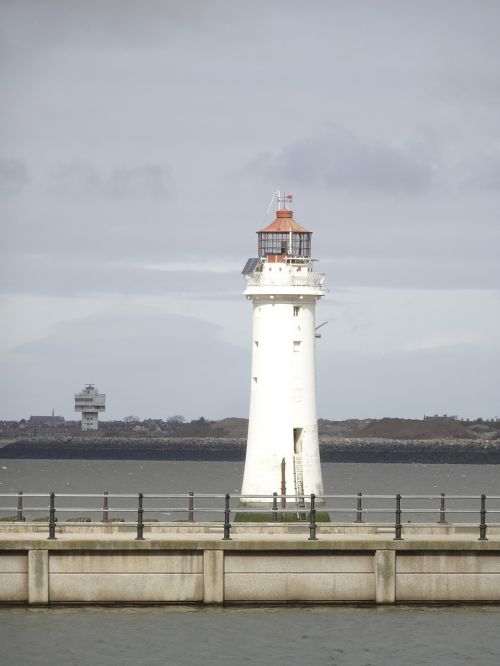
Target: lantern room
285	240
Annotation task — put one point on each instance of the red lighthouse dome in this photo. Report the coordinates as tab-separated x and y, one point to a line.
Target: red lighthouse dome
284	240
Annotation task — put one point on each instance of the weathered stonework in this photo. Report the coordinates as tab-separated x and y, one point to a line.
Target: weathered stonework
249	569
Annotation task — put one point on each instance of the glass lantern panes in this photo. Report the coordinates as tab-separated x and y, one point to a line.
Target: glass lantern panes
293	244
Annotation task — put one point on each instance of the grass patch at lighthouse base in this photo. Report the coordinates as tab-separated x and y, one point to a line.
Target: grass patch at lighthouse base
281	517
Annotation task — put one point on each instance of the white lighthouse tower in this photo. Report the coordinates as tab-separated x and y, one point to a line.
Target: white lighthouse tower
283	288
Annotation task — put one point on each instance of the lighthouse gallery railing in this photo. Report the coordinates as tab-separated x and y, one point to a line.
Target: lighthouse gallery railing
309	279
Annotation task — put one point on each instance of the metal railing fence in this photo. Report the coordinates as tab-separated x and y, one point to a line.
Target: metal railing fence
218	509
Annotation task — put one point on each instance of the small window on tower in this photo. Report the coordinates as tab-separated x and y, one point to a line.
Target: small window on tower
296	310
256	343
255	380
296	345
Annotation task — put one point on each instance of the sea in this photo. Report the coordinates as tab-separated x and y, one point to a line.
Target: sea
192	635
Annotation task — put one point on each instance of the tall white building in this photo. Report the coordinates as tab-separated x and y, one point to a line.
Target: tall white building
283	288
90	402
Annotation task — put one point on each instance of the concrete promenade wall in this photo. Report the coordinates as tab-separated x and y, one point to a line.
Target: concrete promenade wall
256	568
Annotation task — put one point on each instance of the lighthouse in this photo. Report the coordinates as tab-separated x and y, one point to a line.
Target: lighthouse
282	444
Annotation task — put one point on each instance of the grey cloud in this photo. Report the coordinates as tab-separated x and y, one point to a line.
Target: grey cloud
46	24
148	181
153	365
82	179
473	86
13	176
461	379
76	179
486	176
422	272
338	159
69	276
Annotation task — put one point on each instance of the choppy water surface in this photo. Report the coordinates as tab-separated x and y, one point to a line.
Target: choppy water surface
279	636
122	476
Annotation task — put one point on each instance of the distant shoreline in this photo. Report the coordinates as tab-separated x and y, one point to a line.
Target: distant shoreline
437	451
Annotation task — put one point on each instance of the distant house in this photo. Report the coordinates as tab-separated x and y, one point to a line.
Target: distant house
46	420
439	417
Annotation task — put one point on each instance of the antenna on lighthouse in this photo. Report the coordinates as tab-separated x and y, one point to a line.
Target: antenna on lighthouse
318	335
276	197
283	200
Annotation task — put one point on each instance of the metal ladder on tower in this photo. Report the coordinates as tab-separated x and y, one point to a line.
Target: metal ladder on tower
299	486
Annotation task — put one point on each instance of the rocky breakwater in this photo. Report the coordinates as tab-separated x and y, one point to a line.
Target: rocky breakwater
333	449
381	450
125	448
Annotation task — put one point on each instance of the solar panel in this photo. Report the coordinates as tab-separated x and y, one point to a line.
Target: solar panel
250	266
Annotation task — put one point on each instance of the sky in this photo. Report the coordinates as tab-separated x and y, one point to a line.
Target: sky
140	144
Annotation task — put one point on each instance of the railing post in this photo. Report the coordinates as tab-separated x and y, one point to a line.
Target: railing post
483	526
20	506
140	521
275	508
227	517
398	525
191	506
312	519
359	508
442	510
105	507
52	517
